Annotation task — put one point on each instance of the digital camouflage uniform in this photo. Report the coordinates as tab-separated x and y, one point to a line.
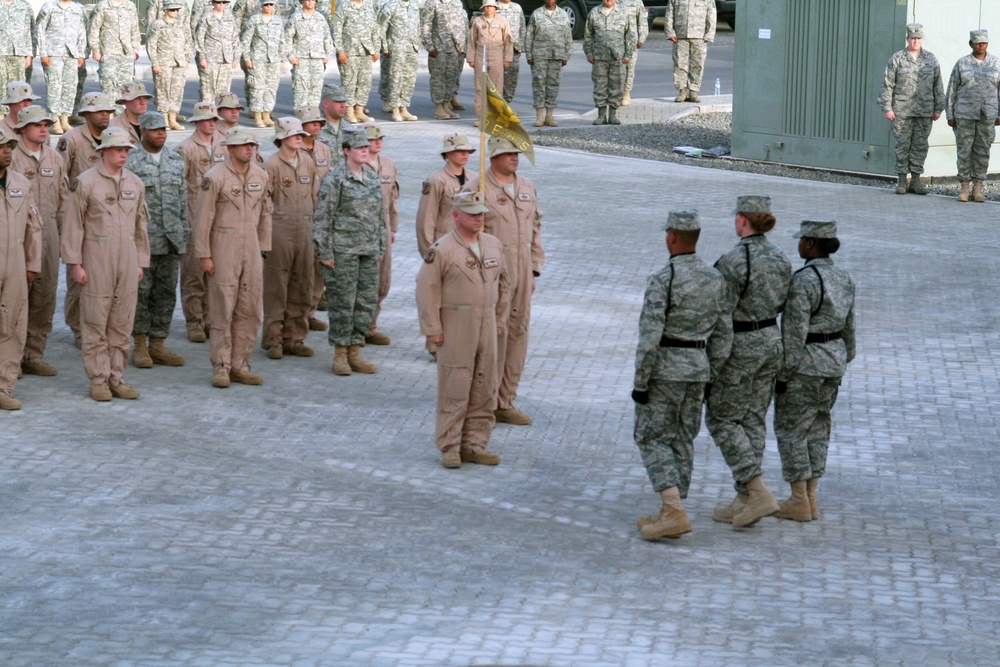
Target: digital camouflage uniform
244	10
609	37
114	33
692	22
515	22
973	102
444	28
548	43
638	10
170	47
17	30
61	34
154	11
330	136
263	41
357	34
384	90
217	42
402	42
914	91
308	39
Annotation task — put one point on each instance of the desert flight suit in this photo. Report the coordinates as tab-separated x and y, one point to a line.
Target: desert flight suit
496	36
434	218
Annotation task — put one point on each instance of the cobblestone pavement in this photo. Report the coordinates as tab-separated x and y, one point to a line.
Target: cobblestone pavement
309	521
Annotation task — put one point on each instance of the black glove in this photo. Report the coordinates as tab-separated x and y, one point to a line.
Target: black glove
640	397
780	386
708	390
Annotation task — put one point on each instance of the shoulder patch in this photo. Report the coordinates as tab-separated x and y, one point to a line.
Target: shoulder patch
206	184
61	146
426	189
74	185
429	257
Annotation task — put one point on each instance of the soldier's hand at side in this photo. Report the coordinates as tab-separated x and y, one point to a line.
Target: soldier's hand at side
342	58
890	115
140	274
625	61
531	61
96	56
294	61
997	121
207	265
326	60
780	386
437	340
249	64
952	123
235	65
31	277
329	263
564	63
27	62
532	284
638	45
507	63
203	64
79	62
392	237
157	69
433	54
374	57
935	116
640	397
673	39
590	60
78	274
46	61
135	56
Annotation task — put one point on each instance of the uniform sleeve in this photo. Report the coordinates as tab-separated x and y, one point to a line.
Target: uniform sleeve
429	297
641	24
142	231
938	89
537	251
337	31
519	45
848	331
472	44
71	237
264	223
394	202
668	22
529	36
888	85
246	37
136	37
152	44
327	39
33	241
427	215
588	36
503	293
795	323
651	322
40	24
720	342
953	84
206	218
426	26
508	44
199	39
94	31
63	194
630	38
710	21
326	206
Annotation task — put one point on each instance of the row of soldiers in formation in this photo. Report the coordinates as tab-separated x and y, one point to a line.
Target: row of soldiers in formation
252	242
711	336
912	97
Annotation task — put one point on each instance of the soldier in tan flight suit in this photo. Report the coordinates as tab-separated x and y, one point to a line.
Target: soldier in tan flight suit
135	100
105	245
389	178
461	299
434	218
313	120
232	235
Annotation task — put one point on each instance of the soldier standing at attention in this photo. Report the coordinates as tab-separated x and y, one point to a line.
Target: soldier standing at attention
105	246
61	36
232	235
638	11
912	98
135	100
685	333
817	331
170	49
609	42
350	236
389	179
263	52
45	170
289	267
515	22
334	107
513	218
114	41
217	43
17	31
402	42
434	218
973	106
757	274
444	30
357	39
169	229
548	43
461	299
155	11
309	43
201	151
690	25
493	32
312	122
20	262
19	96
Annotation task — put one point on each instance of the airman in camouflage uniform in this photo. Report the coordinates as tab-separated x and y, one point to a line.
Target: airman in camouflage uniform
17	30
170	48
444	30
309	43
912	98
334	104
685	334
817	331
61	38
402	42
973	107
263	52
609	40
114	41
217	43
548	43
757	274
357	38
638	10
690	25
515	21
349	233
162	172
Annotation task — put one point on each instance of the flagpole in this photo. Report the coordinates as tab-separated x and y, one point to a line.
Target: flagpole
484	100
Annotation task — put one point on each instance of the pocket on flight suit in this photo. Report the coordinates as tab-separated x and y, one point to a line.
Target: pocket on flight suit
453	387
7	320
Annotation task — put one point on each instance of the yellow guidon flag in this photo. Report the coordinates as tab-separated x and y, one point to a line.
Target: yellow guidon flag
499	120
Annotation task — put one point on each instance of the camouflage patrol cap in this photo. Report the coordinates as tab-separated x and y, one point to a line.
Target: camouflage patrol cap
19	91
915	31
133	91
204	111
334	93
489	3
310	115
237	136
172	4
91	102
286	126
227	101
268	2
33	114
115	137
753	204
152	120
498	146
975	37
456	142
354	138
472	203
373	131
683	221
6	137
817	229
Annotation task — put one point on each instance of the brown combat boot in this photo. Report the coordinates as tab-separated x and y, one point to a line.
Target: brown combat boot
406	114
161	355
760	505
140	355
901	184
725	513
197	336
349	115
451	111
298	349
796	507
916	186
627	98
359	113
100	392
259	122
963	194
172	122
37	367
122	390
549	120
455	104
977	192
811	494
539	118
482	457
8	402
513	416
357	363
397	117
682	96
376	337
672	521
246	377
693	96
451	459
440	112
267	118
56	127
317	325
340	364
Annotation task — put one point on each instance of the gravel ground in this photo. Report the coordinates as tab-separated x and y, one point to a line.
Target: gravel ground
656	141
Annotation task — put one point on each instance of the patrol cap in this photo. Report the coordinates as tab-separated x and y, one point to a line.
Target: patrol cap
152	120
456	142
91	102
354	138
915	31
817	229
227	101
19	91
133	91
172	4
975	36
489	3
6	137
683	221
204	111
237	136
373	131
472	203
753	204
286	126
267	2
310	115
498	146
33	114
334	93
115	137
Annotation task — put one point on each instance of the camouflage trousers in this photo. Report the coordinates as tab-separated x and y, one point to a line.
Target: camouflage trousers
60	82
262	86
307	82
115	72
665	429
384	89
630	71
81	80
11	69
689	63
445	71
609	83
510	75
351	294
911	143
802	418
214	79
545	75
356	78
157	294
169	88
973	139
402	78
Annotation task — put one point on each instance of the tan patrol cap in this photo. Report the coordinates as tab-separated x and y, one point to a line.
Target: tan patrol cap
286	126
115	137
472	203
237	136
91	102
19	91
204	111
227	101
498	146
373	131
456	142
310	115
33	114
6	137
133	91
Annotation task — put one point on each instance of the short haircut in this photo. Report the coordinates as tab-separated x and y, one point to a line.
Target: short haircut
687	236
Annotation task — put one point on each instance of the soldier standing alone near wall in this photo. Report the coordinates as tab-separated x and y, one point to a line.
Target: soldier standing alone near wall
548	43
61	37
690	25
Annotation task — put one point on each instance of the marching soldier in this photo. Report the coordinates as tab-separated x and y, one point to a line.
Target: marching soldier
493	32
609	41
170	48
114	41
515	22
548	43
402	42
357	39
17	31
309	43
263	52
217	43
690	25
444	30
389	179
61	36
